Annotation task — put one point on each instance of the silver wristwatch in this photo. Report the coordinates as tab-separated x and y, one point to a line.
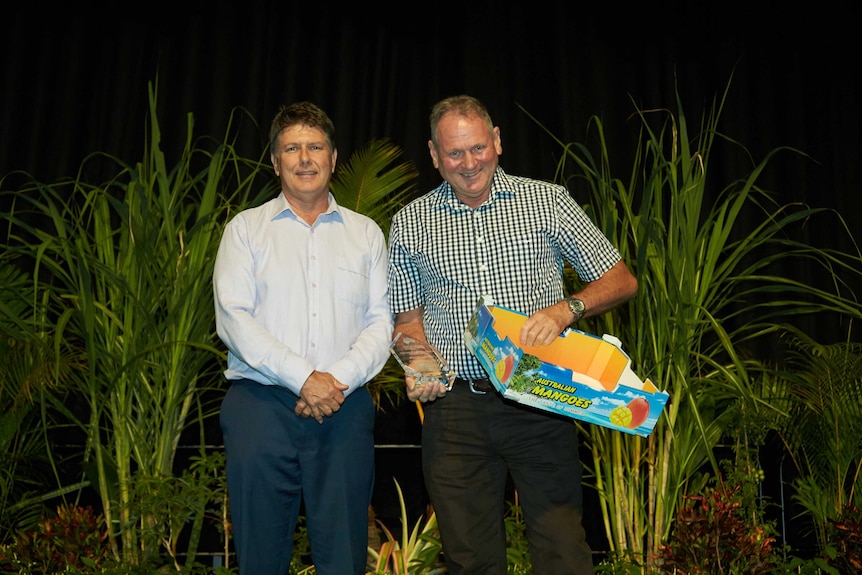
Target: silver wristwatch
577	307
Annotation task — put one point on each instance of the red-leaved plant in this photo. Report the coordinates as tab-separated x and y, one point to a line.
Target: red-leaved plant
713	534
74	537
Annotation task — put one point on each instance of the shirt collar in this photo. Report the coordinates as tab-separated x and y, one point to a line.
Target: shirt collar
282	209
501	187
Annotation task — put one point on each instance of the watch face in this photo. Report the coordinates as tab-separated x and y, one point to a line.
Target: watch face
577	307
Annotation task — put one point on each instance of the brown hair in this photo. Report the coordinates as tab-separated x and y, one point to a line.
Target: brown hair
304	113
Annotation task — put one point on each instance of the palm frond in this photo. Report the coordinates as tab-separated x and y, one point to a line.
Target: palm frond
372	183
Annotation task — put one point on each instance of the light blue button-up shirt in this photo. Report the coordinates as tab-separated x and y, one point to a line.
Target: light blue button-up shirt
292	298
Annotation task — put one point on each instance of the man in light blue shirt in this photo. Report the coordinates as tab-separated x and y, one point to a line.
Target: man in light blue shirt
301	304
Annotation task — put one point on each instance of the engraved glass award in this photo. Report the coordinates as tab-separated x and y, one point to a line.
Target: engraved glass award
421	361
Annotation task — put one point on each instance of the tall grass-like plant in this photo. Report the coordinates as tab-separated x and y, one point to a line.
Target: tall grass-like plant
712	284
126	266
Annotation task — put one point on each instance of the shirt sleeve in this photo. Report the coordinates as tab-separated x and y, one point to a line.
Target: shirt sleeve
401	294
584	245
369	352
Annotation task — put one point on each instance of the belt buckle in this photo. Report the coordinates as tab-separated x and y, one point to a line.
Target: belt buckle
471	382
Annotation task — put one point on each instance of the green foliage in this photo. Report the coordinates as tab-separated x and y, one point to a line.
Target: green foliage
712	261
528	362
419	552
173	506
121	272
28	372
517	549
799	566
823	435
521	382
522	379
416	552
301	550
373	184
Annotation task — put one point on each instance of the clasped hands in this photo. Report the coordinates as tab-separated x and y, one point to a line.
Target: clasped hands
321	396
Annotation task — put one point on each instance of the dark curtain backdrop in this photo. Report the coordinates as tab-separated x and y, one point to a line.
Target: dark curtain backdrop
74	81
75	77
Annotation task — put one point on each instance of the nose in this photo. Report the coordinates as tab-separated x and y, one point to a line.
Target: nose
304	155
470	160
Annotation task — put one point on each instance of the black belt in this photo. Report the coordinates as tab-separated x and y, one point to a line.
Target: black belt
480	386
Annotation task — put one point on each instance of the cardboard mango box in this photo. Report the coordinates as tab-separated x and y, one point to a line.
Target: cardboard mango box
579	375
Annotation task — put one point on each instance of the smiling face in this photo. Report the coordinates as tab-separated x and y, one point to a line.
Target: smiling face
466	155
304	161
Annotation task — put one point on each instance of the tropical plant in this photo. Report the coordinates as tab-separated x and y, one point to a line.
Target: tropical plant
845	536
124	269
73	537
714	283
30	370
823	434
517	547
372	183
713	534
178	505
22	444
416	552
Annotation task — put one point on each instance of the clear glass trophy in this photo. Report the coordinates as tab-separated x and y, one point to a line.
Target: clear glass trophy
421	361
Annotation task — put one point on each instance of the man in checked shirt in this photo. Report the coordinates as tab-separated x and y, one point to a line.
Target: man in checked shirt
483	231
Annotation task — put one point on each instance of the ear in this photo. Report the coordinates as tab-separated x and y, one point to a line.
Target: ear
274	163
433	151
498	143
334	158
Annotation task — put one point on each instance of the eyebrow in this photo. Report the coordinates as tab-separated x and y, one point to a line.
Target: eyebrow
321	143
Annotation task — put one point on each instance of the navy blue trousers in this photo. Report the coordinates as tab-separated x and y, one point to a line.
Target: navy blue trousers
470	444
275	459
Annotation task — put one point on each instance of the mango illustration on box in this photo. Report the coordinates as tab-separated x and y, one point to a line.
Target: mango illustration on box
505	367
631	415
579	375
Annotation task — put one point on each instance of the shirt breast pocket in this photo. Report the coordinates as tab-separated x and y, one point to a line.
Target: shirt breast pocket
351	281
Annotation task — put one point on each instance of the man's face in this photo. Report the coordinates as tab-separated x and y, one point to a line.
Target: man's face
304	162
466	155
